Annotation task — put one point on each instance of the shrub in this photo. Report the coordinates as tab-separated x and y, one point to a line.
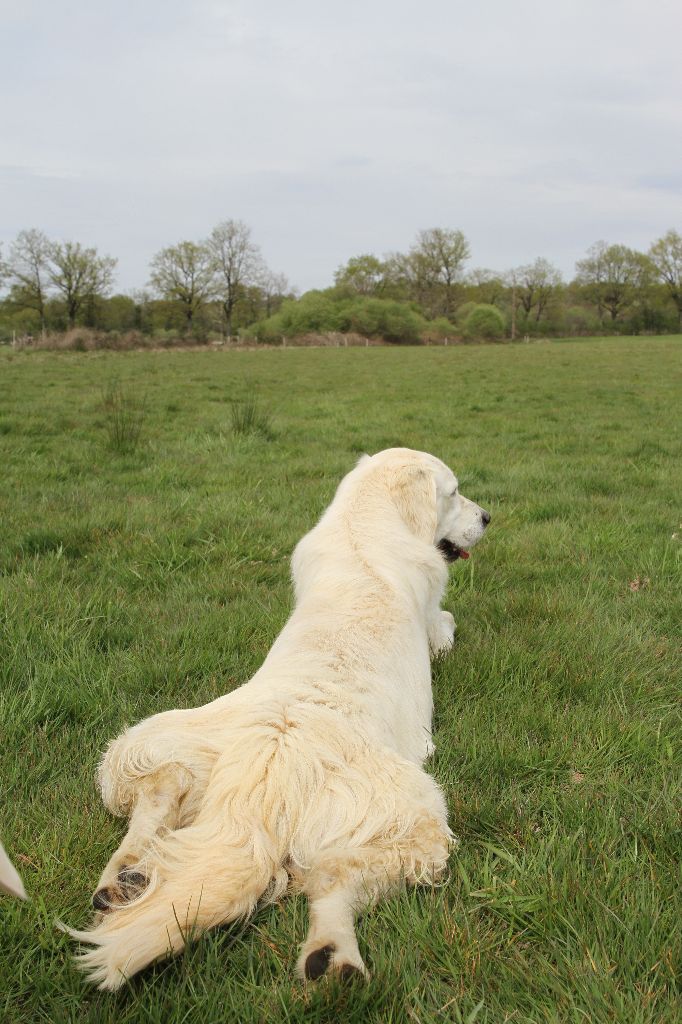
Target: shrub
267	331
463	312
577	320
320	313
314	311
485	322
439	329
381	318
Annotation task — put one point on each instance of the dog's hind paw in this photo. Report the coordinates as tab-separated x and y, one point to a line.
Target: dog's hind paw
129	885
329	961
317	962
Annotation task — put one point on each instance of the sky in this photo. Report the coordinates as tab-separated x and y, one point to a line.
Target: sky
536	128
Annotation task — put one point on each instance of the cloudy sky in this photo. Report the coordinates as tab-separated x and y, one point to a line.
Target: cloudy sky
336	129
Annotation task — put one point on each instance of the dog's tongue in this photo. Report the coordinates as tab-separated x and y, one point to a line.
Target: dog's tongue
463	553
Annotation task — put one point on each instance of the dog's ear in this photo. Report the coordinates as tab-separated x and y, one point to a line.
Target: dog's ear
413	489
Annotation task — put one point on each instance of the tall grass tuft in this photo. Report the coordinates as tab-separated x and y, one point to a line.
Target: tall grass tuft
125	415
248	417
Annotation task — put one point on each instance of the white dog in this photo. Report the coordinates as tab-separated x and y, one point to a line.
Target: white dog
310	772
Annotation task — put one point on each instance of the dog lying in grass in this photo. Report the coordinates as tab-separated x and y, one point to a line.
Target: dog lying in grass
311	773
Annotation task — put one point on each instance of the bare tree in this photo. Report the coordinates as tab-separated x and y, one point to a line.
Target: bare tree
185	273
488	283
274	288
238	265
79	274
513	282
438	259
28	271
536	283
666	257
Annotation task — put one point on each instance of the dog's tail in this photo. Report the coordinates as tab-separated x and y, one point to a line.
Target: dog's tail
200	877
217	869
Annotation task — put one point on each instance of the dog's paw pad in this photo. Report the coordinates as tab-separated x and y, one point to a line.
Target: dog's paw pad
349	972
318	962
132	881
105	899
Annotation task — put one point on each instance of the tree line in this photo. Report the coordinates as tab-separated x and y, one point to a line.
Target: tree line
194	287
223	286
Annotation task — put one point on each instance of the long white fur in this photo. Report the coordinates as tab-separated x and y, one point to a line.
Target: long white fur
312	770
10	881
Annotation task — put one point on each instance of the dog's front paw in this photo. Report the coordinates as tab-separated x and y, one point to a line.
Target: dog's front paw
442	636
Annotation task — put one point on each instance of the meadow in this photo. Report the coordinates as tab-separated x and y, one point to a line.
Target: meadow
142	576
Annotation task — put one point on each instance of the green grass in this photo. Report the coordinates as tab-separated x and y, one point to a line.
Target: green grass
131	582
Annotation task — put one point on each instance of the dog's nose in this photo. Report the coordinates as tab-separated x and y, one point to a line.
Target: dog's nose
485	516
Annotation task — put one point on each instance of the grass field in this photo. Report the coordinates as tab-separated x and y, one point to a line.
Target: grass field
132	582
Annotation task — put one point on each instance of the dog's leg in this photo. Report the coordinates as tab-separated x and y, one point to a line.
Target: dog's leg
341	886
441	632
331	944
411	844
156	773
156	807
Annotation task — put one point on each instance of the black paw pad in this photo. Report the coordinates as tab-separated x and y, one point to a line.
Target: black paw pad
104	899
132	880
318	962
350	973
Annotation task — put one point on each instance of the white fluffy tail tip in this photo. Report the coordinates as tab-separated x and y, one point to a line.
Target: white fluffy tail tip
9	877
93	962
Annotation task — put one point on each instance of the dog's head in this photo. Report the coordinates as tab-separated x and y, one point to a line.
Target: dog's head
426	493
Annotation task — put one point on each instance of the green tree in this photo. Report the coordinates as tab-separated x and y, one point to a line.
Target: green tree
119	313
185	274
486	286
611	277
362	275
438	259
29	272
79	274
536	284
666	258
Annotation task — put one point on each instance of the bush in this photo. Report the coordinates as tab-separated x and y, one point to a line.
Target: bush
401	323
268	332
463	312
577	320
439	329
383	318
320	313
314	311
484	322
